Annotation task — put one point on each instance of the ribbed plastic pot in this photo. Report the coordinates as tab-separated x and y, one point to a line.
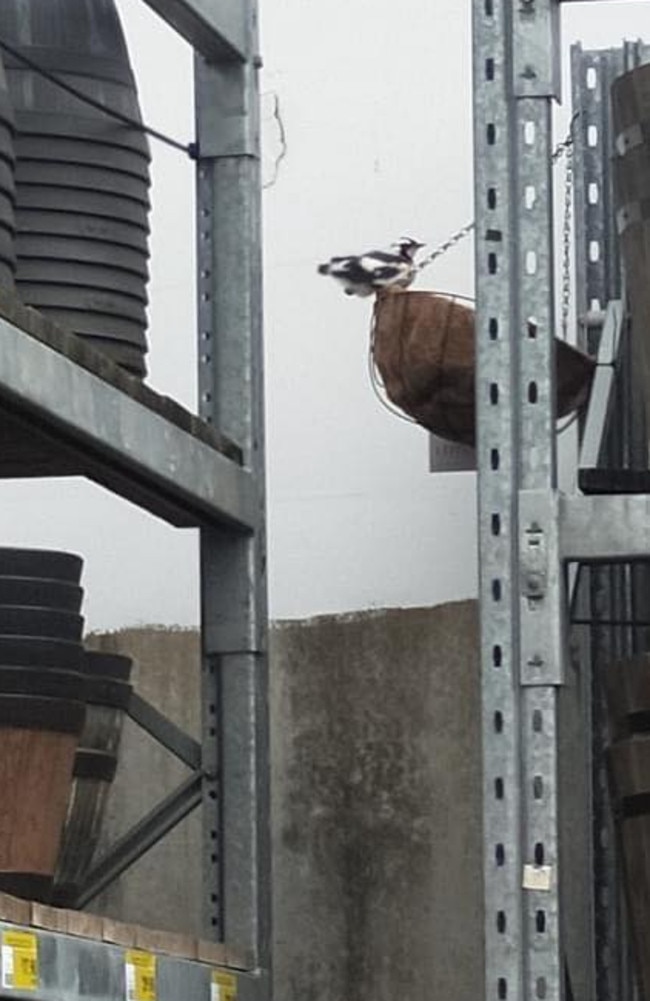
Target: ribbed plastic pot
52	623
43	592
38	743
80	175
49	682
39	651
107	694
7	186
43	563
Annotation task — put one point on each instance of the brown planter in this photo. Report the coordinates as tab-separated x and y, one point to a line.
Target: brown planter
627	686
423	347
38	742
107	691
629	765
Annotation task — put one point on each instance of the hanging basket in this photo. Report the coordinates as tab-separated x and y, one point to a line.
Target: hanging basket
423	348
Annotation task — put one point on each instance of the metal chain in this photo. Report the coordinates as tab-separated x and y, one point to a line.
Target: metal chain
447	245
566	242
564	148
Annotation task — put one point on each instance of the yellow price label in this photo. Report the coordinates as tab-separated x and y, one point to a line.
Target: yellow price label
19	960
140	976
224	986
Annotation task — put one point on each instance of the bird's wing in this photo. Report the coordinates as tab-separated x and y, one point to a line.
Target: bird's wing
380	256
385	272
350	268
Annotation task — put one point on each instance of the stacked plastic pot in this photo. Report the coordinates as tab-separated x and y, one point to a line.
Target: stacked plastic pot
61	715
42	710
107	692
7	187
627	686
81	176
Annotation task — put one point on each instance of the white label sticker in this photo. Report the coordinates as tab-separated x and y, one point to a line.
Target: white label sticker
140	970
538	877
224	986
19	961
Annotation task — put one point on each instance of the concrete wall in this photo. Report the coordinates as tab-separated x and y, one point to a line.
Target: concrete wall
162	889
376	786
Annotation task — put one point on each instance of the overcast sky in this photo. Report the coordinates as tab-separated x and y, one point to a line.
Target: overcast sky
376	110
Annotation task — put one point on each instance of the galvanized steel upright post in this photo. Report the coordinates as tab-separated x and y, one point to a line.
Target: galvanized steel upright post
233	565
516	50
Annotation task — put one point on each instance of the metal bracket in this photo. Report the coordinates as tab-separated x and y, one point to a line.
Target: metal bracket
227	109
606	529
540	587
601	389
536	62
219	29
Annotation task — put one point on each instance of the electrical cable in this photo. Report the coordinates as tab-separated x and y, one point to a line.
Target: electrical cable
190	149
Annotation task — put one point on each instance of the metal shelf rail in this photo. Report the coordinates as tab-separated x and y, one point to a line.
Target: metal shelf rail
65	412
528	531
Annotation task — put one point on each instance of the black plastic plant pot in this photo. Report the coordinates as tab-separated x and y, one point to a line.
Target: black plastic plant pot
18	620
45	682
41	593
37	651
40	563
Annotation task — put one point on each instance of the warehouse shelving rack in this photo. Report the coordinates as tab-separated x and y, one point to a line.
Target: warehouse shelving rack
553	921
64	410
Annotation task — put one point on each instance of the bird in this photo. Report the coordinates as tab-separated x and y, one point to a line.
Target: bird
375	270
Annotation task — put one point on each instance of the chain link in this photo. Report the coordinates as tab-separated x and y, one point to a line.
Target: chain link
447	245
566	243
564	148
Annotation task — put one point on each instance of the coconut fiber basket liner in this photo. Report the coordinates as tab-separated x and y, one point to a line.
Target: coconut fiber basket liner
423	347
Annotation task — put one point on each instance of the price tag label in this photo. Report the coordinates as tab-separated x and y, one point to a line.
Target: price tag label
140	976
19	961
224	986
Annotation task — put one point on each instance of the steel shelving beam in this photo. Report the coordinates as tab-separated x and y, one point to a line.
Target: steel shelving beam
114	438
71	966
193	475
218	29
233	568
497	480
618	592
515	80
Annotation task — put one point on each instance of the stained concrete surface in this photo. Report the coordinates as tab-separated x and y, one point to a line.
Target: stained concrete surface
163	888
377	846
376	792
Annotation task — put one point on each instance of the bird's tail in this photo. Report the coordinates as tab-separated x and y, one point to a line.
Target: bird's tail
323	269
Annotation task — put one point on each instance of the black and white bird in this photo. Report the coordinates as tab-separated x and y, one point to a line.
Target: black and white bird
365	274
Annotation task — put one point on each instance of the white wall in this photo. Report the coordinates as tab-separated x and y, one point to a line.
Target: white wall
375	101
